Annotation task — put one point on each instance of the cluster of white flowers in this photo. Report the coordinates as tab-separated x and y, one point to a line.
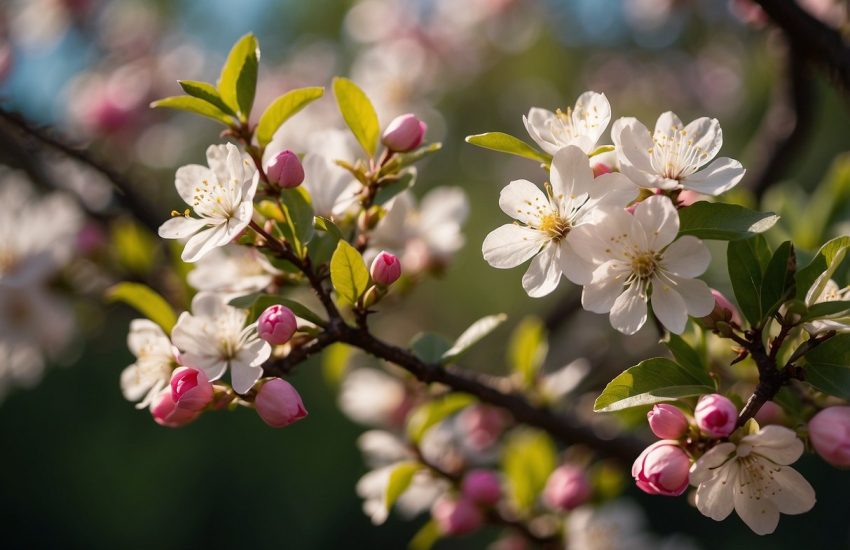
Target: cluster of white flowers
590	229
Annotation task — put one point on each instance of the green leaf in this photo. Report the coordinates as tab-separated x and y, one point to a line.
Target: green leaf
826	309
400	478
723	222
282	108
528	458
429	347
237	83
777	285
601	149
652	381
685	355
747	261
206	92
390	190
194	105
527	349
828	366
259	301
430	413
821	268
471	336
133	246
322	246
426	537
349	275
506	143
400	161
146	301
358	113
298	218
335	361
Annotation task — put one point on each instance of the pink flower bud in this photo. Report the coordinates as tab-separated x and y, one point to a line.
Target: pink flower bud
770	413
482	425
716	415
667	421
285	170
386	269
829	431
404	133
190	389
724	309
276	324
166	413
279	404
662	469
687	197
567	488
601	168
456	516
482	487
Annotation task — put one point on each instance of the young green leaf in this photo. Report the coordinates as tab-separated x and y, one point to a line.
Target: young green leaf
527	349
506	143
471	336
685	355
206	92
282	108
777	285
349	275
430	413
835	308
400	161
358	113
652	381
147	301
335	361
237	83
259	301
818	272
723	222
528	458
747	260
828	366
390	190
298	218
426	537
429	347
194	105
400	478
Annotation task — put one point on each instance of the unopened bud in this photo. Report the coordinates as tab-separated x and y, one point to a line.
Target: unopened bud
404	133
829	431
716	415
662	469
279	404
567	488
166	413
724	312
667	421
276	324
190	389
482	487
456	516
285	170
386	269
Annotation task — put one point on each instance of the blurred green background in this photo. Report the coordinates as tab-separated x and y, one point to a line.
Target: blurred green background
84	469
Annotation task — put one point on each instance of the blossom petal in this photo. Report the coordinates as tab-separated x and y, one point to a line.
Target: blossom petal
760	514
668	306
697	296
667	124
190	177
574	267
536	124
719	176
243	376
628	314
705	468
714	496
217	161
591	115
255	352
570	175
544	273
212	365
687	257
204	241
795	495
635	144
613	190
607	285
180	227
524	201
235	166
707	138
659	219
602	239
511	245
777	444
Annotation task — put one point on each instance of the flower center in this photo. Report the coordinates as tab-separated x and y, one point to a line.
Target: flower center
213	200
555	226
675	155
645	264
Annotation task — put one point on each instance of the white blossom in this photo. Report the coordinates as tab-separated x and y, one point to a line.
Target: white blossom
581	127
151	372
222	196
232	269
213	338
372	397
575	199
675	155
828	292
637	261
333	190
753	478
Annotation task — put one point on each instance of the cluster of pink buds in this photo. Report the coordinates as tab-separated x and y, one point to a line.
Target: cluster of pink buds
464	513
663	467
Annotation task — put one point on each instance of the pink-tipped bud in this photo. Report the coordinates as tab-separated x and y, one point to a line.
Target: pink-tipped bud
482	487
567	488
386	269
191	389
279	404
716	415
667	421
829	431
662	469
285	170
601	168
404	133
456	516
166	413
770	413
724	310
276	324
482	425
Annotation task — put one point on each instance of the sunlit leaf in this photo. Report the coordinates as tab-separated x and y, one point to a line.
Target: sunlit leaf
282	108
146	301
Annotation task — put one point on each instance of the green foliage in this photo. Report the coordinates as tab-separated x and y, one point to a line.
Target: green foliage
652	381
335	361
206	92
133	246
828	366
506	143
822	267
259	301
322	246
358	112
471	336
527	349
747	261
297	224
528	457
349	275
282	108
429	347
237	83
685	355
147	301
400	478
777	285
723	222
430	413
194	105
393	188
426	537
834	308
399	161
